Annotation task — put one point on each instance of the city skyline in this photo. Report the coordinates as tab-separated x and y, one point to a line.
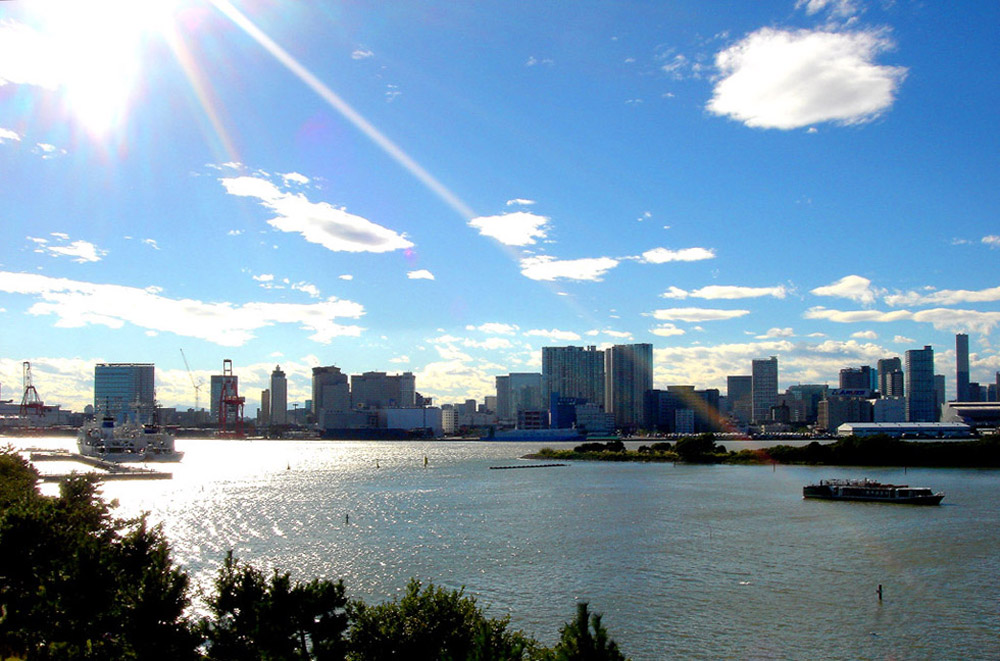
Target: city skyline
445	190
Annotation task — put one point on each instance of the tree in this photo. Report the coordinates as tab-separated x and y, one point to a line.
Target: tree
431	624
256	617
578	643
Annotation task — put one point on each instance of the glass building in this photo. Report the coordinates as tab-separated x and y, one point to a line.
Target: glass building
125	390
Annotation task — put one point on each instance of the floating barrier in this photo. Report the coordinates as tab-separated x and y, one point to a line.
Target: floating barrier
504	468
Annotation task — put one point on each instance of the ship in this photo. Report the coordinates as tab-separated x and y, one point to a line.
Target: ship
128	442
872	491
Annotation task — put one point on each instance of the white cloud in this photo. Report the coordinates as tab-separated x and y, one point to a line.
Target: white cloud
77	304
520	228
945	297
902	339
346	276
151	243
777	332
295	178
666	330
48	151
554	334
697	314
674	292
318	222
7	134
549	268
520	201
865	335
855	316
80	251
785	80
992	240
420	274
853	287
400	359
495	328
959	320
361	54
307	288
664	255
836	7
264	277
729	292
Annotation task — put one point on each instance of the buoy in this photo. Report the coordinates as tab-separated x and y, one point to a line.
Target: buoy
879	592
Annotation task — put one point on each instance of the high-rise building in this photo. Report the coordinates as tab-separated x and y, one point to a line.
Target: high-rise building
890	377
264	416
764	384
518	391
961	368
739	390
220	384
856	378
573	372
378	390
628	374
330	392
921	401
125	390
279	397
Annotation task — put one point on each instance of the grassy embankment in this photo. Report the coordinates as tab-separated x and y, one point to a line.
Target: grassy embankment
850	451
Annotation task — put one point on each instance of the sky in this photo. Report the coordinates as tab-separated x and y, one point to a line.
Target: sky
446	187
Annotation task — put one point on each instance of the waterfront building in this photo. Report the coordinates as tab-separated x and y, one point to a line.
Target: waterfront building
279	397
921	400
221	385
375	390
939	398
842	406
803	401
330	391
628	374
889	409
264	413
573	372
739	390
518	391
961	368
125	390
764	386
856	378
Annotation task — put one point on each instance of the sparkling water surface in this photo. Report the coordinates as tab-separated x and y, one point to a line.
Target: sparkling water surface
682	561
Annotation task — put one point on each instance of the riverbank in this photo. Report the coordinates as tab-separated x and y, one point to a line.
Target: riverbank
849	451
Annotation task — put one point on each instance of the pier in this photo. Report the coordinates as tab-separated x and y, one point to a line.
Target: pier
112	470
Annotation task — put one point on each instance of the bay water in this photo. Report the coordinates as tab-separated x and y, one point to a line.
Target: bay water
683	561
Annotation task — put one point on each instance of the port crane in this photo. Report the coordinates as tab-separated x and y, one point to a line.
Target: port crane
197	386
31	402
230	404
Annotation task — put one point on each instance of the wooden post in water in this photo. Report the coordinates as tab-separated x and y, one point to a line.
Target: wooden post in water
879	592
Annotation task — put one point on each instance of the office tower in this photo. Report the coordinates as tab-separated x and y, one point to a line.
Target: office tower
628	374
220	384
764	384
810	395
330	392
961	367
739	390
890	377
939	400
125	390
573	372
856	378
378	390
920	396
518	391
264	417
279	397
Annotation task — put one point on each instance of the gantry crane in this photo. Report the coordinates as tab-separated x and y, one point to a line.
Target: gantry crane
31	402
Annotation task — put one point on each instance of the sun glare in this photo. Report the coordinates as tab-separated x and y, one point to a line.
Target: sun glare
94	52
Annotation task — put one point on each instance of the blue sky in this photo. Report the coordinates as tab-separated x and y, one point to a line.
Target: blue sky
444	188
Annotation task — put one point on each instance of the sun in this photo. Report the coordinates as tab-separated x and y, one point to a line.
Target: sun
93	52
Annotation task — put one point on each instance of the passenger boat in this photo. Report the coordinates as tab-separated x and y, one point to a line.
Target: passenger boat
128	442
872	491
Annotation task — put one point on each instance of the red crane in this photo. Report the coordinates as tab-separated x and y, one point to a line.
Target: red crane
31	402
230	404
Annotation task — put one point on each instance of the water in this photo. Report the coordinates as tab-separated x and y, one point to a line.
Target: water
683	561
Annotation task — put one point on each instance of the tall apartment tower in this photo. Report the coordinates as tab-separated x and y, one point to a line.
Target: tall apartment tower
518	391
890	377
628	374
264	417
378	390
739	391
962	367
330	392
921	401
125	390
219	383
279	397
573	372
764	384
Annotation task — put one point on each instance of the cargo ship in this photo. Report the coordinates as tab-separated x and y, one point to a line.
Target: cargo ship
872	491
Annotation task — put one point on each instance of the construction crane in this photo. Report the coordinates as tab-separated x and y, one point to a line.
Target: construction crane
197	386
31	402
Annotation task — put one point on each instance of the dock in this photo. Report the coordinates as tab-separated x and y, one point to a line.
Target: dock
112	470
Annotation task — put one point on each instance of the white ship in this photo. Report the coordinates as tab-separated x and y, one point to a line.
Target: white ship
128	442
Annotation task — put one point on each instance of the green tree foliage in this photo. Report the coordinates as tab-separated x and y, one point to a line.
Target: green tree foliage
585	639
254	617
77	583
699	449
430	624
596	446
